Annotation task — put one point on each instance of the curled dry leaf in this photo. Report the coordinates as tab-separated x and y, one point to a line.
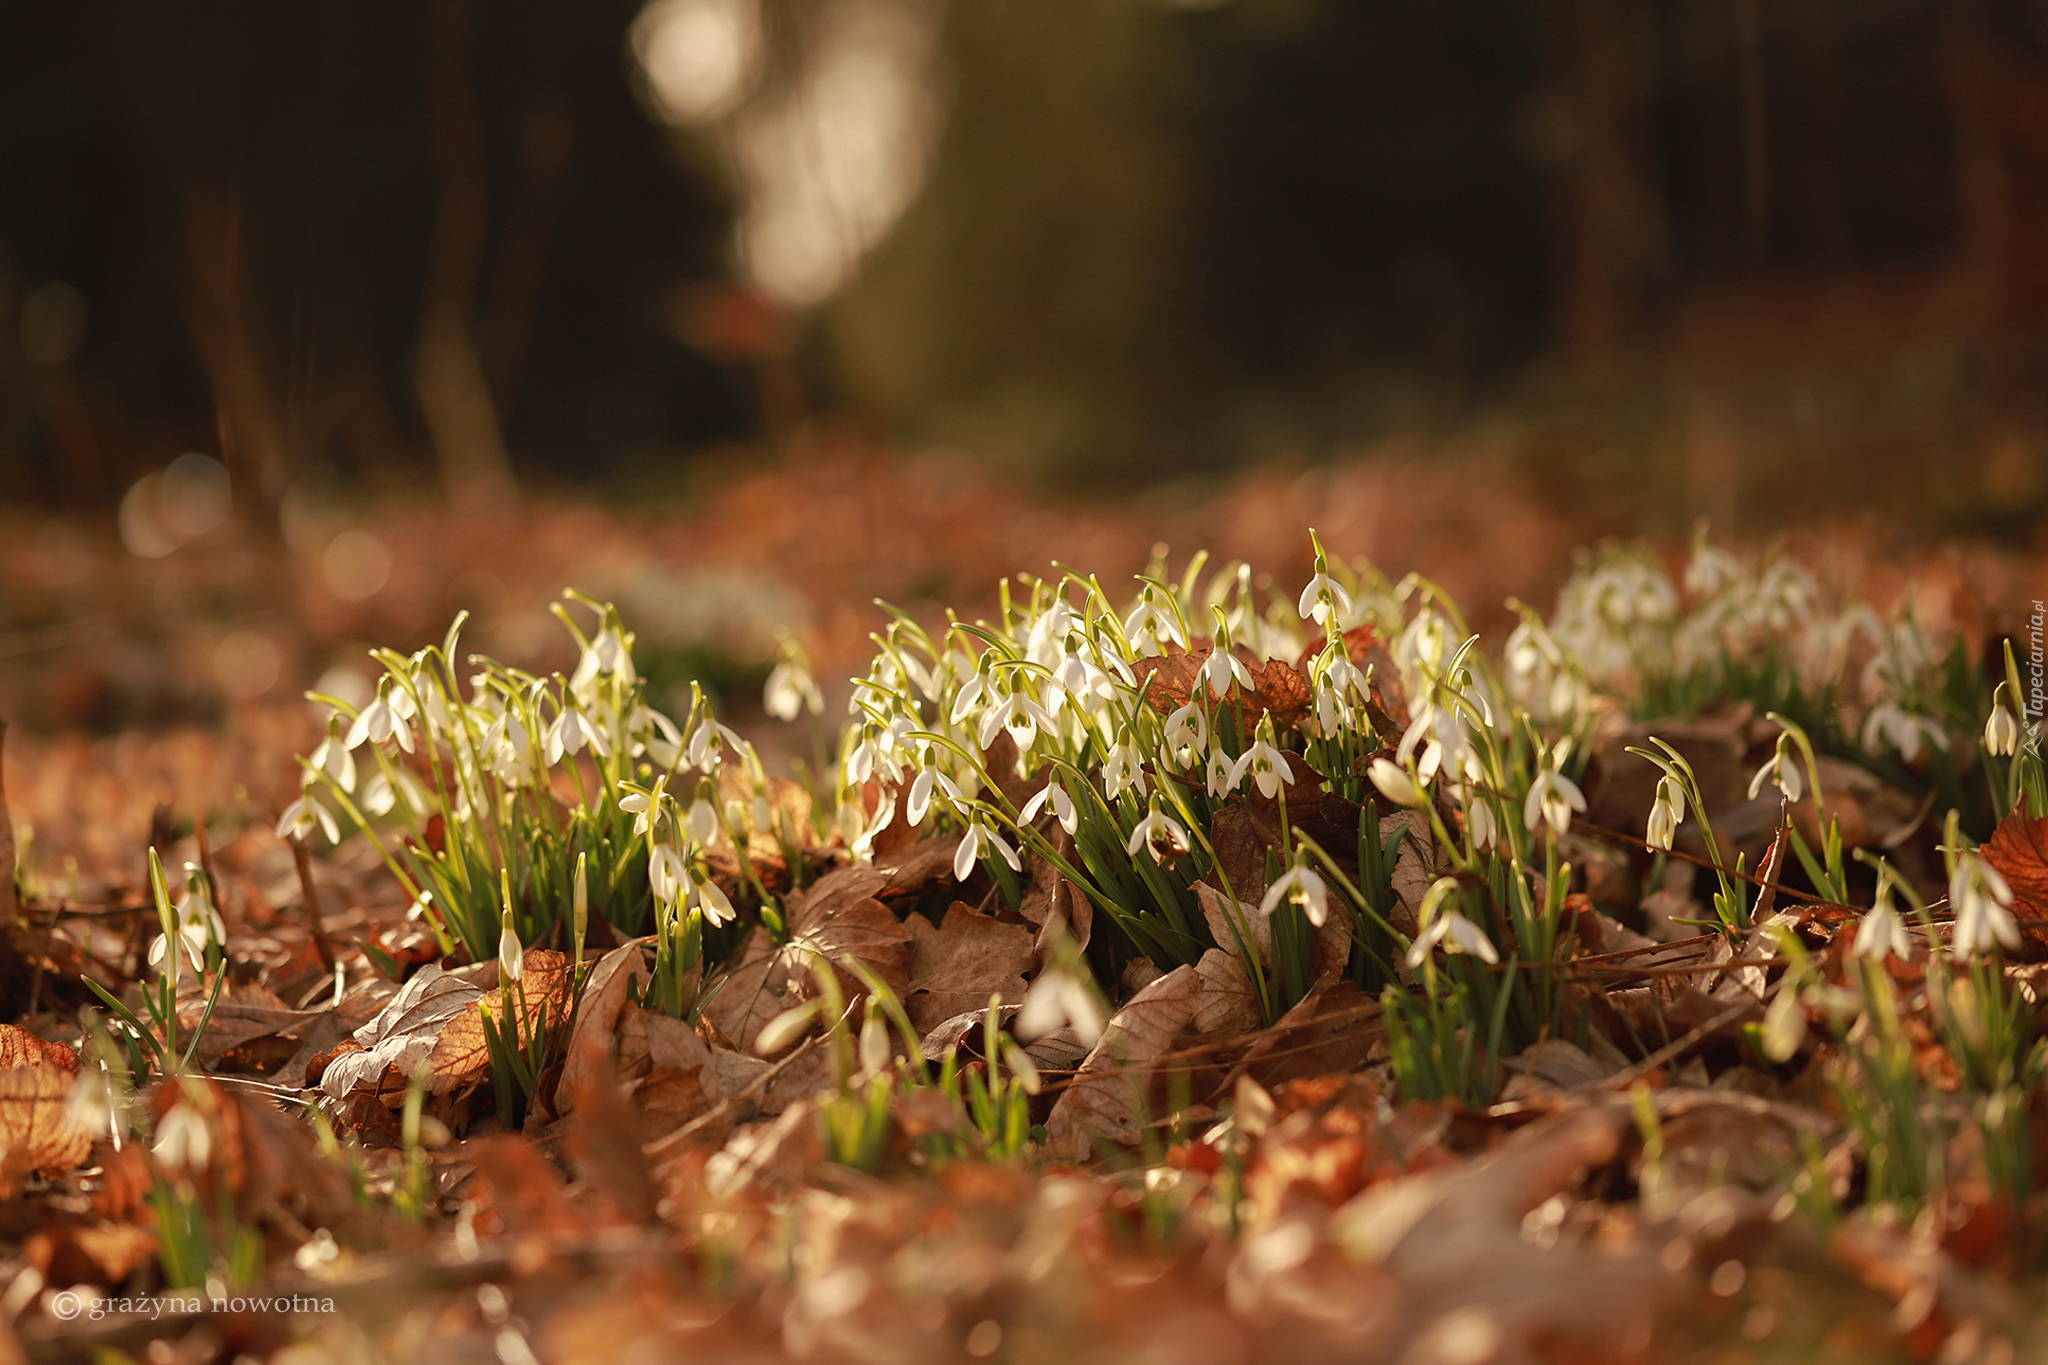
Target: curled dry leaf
401	1037
1108	1100
837	917
595	1038
461	1056
38	1133
2018	848
19	1047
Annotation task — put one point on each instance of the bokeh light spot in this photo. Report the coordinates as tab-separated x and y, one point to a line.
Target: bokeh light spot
356	566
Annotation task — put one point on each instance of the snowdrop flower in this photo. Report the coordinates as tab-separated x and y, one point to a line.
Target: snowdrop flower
1062	807
920	799
1667	813
2002	732
1324	600
302	815
666	875
1480	822
656	735
791	690
1449	928
1902	730
1552	799
1148	624
380	721
1057	1000
197	924
701	824
511	750
711	898
1021	714
611	652
1187	732
570	732
1223	778
1882	932
1780	770
1122	771
978	838
860	759
183	1141
1299	885
645	805
970	693
1223	667
1158	829
333	758
1266	764
1396	785
705	744
1980	897
511	952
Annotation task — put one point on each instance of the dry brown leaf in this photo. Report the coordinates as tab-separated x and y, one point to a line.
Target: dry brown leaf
595	1036
1227	1003
461	1056
19	1047
1055	904
1109	1098
37	1131
400	1038
1420	863
2018	848
1330	952
1278	687
955	967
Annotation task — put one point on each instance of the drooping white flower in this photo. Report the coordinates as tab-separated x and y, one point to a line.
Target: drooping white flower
1891	724
611	653
1882	932
1155	831
1149	624
1480	822
701	824
302	815
920	798
1023	716
978	838
511	952
717	906
1448	927
1057	1000
1267	765
1324	600
1222	776
1222	668
1980	898
2002	732
379	722
1122	770
1781	771
1063	808
1395	784
645	806
333	758
1187	732
969	697
790	691
570	732
667	877
1552	799
1299	885
184	1142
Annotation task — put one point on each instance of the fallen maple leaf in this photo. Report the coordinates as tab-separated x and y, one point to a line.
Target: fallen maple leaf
2018	848
462	1057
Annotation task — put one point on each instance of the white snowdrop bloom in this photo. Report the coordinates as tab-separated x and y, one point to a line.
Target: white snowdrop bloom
1552	799
1222	775
1047	639
1299	885
1187	729
711	898
860	760
969	697
1980	897
302	815
570	732
1122	771
1063	808
1055	1001
1395	784
511	750
333	758
977	839
1663	823
1149	625
655	735
2002	732
609	653
646	806
379	796
1882	932
1222	668
1324	601
1267	765
1781	771
184	1142
1480	822
701	824
1712	569
1156	831
378	723
1020	714
790	691
667	877
1890	724
920	799
511	953
1423	646
1448	927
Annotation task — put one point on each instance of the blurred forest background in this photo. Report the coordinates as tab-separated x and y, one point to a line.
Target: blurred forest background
1743	257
